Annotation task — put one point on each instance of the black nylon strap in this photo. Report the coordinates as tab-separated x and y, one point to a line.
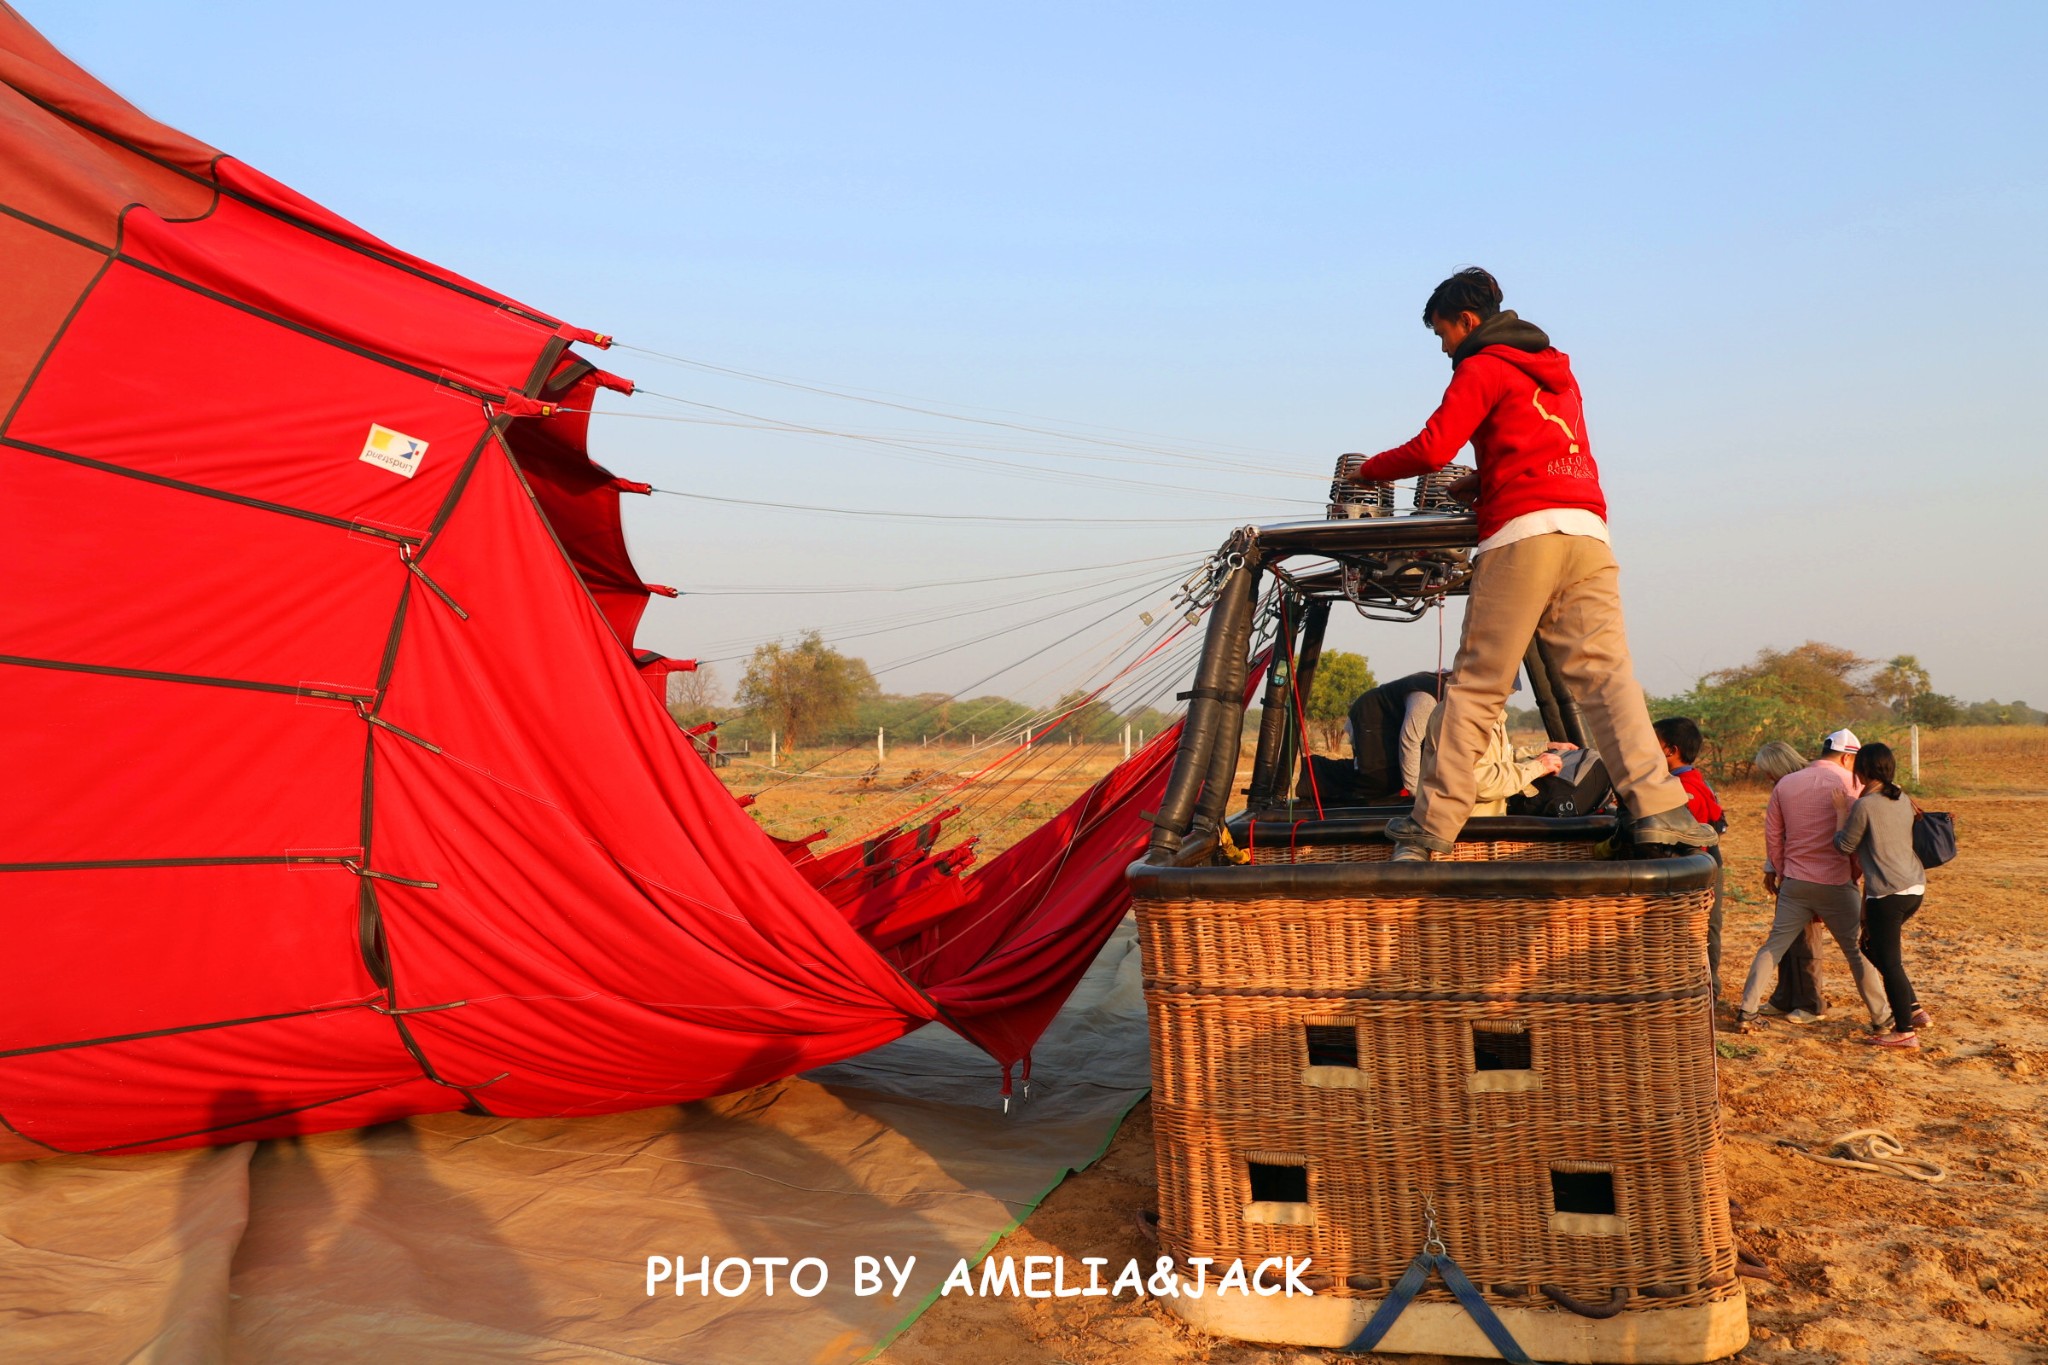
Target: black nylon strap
29	218
361	871
196	679
384	724
436	588
115	864
182	1028
179	485
237	1123
279	320
323	234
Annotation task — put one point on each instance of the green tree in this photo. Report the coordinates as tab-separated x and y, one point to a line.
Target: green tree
1934	709
1796	695
1340	678
1900	683
1149	722
1093	722
2002	713
803	689
977	718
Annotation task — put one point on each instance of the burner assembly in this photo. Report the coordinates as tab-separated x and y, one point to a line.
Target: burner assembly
1411	574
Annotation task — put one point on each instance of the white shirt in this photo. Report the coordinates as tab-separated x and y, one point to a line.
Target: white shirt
1570	521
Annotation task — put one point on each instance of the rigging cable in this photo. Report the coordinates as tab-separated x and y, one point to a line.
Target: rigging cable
977	517
949	416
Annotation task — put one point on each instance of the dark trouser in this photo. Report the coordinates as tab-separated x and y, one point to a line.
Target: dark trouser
1799	984
1884	917
1714	927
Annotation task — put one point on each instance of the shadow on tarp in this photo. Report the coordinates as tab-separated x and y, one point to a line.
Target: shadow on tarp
451	1238
945	1096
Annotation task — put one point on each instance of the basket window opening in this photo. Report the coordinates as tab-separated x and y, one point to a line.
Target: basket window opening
1332	1044
1278	1184
1582	1191
1500	1049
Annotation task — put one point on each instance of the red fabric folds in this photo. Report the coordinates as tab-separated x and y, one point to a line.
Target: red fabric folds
336	790
1001	964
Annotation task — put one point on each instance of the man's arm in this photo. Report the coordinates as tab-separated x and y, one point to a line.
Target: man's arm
1470	397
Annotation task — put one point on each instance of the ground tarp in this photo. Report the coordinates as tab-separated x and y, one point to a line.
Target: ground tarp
453	1238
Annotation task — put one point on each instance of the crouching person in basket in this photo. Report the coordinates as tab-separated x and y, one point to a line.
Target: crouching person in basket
1542	567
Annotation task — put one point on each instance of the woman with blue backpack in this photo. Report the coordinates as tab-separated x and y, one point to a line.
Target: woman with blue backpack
1879	834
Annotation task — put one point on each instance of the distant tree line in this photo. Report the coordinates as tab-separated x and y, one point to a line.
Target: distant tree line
1798	695
810	695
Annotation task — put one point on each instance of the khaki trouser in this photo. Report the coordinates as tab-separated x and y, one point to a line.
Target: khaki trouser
1567	589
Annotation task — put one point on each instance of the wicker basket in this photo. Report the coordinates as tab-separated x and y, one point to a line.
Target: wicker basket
1526	1044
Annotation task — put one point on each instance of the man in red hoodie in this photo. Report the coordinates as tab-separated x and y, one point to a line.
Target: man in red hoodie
1542	566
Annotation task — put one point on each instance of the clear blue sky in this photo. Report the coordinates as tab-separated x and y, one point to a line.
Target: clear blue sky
1794	251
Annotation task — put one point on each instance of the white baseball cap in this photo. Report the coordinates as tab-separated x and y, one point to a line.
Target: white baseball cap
1841	742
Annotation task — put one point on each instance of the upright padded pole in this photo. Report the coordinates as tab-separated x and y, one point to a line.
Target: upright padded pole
1314	622
1215	798
1229	629
1274	715
1567	705
1546	700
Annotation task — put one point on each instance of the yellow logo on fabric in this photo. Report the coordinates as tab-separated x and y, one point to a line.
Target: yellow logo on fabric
394	450
1572	436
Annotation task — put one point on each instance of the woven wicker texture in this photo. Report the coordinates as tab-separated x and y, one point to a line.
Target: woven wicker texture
1504	1057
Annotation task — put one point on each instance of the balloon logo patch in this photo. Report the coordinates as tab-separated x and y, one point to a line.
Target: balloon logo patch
394	450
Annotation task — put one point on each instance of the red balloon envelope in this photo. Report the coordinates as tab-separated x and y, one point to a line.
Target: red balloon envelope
333	792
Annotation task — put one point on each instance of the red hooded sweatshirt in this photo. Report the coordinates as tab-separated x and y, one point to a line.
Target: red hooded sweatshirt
1513	397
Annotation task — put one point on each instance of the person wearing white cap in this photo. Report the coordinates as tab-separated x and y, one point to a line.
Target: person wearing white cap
1812	879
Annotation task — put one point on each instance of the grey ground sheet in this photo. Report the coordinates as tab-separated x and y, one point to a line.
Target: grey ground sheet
454	1238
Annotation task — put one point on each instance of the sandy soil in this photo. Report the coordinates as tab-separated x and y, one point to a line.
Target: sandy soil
1871	1269
1002	796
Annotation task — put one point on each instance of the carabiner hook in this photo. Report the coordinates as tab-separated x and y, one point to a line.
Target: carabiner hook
1432	1239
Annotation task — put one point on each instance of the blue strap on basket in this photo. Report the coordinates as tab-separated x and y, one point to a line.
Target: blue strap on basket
1462	1289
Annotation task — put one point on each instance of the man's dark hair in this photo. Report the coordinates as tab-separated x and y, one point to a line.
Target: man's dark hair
1681	733
1471	290
1874	763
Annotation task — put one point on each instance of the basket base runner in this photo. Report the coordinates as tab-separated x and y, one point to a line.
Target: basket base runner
1664	1336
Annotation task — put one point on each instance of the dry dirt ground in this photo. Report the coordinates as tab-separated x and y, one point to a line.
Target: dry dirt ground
1870	1268
1002	796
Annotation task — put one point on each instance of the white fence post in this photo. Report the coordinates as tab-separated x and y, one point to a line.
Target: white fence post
1916	755
1127	743
881	745
771	748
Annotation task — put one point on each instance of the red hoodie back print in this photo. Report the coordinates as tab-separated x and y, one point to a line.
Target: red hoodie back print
1513	397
